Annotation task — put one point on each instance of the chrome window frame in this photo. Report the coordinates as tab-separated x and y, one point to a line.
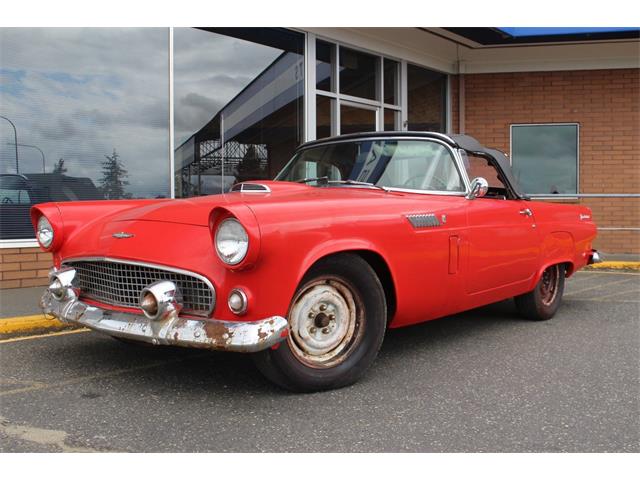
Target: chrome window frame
151	265
457	160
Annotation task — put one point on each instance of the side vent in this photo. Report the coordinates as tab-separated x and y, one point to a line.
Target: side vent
423	220
250	188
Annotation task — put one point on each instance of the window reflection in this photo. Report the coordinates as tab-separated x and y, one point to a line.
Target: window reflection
545	158
91	114
238	105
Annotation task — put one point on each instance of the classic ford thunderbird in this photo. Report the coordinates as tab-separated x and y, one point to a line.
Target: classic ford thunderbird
357	234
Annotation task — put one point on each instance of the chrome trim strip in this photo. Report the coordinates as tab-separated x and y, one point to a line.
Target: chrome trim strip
172	330
152	265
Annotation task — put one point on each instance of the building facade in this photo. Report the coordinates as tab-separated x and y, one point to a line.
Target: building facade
152	113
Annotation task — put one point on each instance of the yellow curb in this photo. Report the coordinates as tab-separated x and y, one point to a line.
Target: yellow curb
617	265
26	323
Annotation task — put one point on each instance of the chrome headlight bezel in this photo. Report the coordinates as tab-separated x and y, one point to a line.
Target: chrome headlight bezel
230	230
44	232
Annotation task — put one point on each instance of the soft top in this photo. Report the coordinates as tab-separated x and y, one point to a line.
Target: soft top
471	145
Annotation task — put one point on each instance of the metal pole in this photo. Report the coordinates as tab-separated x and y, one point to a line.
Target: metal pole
32	146
15	136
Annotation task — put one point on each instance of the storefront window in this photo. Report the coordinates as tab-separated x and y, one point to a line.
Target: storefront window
426	92
545	158
238	96
89	112
358	74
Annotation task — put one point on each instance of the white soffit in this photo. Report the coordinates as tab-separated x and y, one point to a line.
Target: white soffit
433	51
411	44
578	56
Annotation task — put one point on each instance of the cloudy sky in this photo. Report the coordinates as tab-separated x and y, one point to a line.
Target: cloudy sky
79	93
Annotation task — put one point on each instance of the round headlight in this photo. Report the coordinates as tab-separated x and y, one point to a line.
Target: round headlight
44	232
232	241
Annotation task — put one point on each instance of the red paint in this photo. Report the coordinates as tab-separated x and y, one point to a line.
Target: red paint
486	250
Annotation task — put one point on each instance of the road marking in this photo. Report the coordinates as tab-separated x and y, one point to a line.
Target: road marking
594	272
42	436
84	378
598	286
45	335
619	293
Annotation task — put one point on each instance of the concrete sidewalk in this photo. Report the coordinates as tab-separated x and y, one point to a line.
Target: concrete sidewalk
20	312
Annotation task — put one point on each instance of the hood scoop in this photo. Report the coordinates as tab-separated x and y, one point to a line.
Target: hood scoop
250	188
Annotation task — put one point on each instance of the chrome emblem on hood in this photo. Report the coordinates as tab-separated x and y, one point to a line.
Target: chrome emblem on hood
123	235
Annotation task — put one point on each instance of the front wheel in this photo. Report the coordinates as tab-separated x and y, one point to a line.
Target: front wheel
543	302
337	320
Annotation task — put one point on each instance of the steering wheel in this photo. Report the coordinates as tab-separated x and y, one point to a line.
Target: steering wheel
6	200
410	182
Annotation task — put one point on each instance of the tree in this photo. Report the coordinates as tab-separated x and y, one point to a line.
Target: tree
250	168
59	167
113	178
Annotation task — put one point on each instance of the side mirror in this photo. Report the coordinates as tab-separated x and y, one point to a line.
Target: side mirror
479	188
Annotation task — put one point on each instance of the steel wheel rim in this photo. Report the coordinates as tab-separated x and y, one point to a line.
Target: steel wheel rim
549	285
325	322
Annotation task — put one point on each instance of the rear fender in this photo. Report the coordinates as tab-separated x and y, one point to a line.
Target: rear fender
557	247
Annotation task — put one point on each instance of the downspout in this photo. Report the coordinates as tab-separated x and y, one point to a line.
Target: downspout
461	92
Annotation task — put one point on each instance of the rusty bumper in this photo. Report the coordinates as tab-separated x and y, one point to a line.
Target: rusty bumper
172	330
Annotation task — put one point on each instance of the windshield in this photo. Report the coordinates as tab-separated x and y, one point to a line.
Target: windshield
407	164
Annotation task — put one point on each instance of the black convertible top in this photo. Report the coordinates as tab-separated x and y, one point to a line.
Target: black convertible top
464	142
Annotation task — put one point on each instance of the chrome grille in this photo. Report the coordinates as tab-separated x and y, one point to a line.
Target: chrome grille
120	284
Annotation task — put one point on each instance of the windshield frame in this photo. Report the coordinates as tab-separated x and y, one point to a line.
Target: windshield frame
454	154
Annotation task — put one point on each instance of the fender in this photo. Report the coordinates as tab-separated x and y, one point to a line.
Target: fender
557	247
333	247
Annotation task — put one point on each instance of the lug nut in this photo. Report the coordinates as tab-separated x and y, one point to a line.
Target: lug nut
323	307
325	330
311	314
332	317
313	330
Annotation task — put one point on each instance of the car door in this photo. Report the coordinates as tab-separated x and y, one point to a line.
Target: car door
503	244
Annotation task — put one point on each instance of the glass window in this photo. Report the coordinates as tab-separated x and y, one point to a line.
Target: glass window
90	108
391	120
391	83
356	119
426	96
324	116
238	105
545	158
358	74
325	62
408	164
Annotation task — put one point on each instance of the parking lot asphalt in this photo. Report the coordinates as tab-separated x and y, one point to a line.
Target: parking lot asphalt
484	380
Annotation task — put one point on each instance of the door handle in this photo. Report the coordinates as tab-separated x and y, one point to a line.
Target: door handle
527	212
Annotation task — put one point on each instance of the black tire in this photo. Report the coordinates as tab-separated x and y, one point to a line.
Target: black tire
543	302
291	365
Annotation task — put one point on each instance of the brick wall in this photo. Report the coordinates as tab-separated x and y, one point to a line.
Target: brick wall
24	267
606	105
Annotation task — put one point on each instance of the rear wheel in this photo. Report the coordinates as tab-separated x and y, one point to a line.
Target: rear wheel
337	321
543	302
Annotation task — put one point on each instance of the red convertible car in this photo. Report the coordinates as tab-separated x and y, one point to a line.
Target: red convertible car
357	234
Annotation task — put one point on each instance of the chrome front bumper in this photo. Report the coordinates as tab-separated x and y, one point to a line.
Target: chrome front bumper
170	330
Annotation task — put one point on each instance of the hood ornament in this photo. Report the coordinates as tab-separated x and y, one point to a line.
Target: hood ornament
123	235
